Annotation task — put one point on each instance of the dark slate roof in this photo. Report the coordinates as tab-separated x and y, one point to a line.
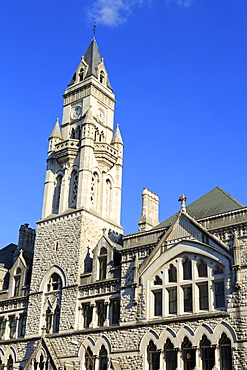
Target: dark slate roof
6	256
93	58
214	202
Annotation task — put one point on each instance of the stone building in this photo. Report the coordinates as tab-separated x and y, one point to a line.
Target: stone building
84	296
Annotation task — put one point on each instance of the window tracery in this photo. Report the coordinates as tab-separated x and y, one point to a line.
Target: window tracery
194	294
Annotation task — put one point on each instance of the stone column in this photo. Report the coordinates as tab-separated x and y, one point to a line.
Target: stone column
94	321
107	304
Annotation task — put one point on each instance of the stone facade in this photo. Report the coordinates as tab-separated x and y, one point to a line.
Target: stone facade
171	296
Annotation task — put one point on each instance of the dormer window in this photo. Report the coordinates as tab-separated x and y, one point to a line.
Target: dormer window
102	263
17	282
81	74
102	77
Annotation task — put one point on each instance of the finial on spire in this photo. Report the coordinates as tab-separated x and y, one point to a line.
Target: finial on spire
183	199
94	30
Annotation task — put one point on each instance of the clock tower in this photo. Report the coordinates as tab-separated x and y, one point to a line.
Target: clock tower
82	193
85	157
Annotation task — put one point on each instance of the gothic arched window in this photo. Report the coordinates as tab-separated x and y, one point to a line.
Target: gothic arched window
89	359
17	282
157	280
102	263
225	353
172	274
202	269
10	363
207	353
56	195
73	189
170	356
153	356
54	283
189	355
187	270
103	360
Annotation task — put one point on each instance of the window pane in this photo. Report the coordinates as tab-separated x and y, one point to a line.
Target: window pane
187	299
202	269
87	313
203	296
187	272
172	300
115	304
172	274
158	303
219	294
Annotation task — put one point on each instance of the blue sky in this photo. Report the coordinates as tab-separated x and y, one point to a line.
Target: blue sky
178	69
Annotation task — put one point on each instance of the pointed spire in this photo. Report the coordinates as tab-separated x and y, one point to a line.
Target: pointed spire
56	130
89	116
117	138
92	58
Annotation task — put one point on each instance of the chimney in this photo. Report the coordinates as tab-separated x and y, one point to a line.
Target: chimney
150	211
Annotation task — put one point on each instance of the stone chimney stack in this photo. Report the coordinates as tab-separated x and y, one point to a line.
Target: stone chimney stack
150	211
26	241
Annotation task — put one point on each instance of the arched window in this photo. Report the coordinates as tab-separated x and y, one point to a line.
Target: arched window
56	319
187	271
73	189
108	197
89	359
157	280
189	355
103	360
218	270
170	356
17	282
10	363
48	319
172	274
102	77
225	353
56	195
207	354
153	356
54	283
202	269
102	263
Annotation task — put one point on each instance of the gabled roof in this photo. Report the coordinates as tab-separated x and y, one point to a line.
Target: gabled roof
184	228
214	202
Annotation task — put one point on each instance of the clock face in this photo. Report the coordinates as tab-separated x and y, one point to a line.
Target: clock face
76	112
101	115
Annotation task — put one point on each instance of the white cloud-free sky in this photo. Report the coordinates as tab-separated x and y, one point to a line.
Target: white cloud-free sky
178	69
